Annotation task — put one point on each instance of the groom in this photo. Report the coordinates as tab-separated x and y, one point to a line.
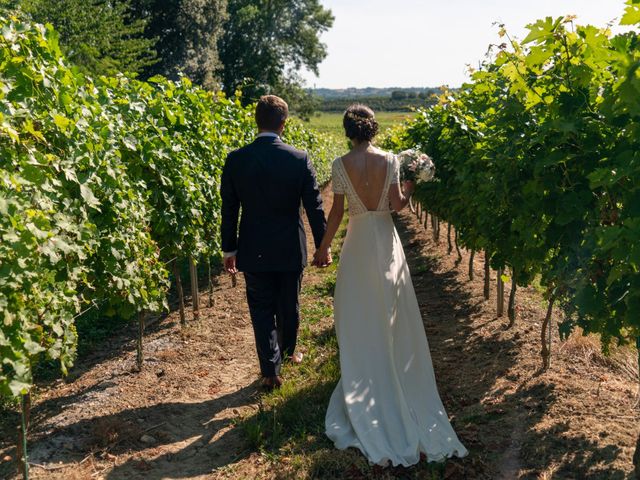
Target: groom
267	181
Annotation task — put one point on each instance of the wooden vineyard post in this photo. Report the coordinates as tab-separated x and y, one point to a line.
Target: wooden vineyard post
140	351
638	401
178	280
433	227
435	230
636	458
636	455
449	239
426	220
438	230
471	257
455	239
211	299
487	277
195	293
500	294
545	335
418	211
511	309
21	450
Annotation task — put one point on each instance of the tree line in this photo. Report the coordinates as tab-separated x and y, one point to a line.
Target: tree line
257	46
378	104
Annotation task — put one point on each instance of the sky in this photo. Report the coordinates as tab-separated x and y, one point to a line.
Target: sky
428	43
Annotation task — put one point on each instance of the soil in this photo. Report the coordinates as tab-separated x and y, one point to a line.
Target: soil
177	418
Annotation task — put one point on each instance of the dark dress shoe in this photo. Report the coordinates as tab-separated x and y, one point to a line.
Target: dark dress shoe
270	383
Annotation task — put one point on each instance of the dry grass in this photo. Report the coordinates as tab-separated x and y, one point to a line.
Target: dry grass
621	360
549	473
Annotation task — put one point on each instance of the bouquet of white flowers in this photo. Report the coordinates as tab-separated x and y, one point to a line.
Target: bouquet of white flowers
416	166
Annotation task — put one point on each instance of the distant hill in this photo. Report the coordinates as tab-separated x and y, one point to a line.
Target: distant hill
389	99
352	92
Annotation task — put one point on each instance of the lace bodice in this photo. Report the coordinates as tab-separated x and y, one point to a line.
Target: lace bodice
341	184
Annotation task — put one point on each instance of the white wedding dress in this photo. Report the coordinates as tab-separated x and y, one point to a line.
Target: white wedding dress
386	404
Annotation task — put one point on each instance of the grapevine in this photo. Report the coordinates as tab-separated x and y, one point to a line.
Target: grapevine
539	167
102	183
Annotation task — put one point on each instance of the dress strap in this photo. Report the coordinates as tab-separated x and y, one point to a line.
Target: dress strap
353	194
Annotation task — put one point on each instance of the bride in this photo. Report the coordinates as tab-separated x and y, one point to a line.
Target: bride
386	404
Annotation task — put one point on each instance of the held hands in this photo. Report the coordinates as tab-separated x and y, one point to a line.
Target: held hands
408	187
322	258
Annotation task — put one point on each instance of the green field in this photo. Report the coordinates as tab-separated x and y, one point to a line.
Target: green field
331	123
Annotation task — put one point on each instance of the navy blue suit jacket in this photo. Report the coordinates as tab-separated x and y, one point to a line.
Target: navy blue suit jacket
265	183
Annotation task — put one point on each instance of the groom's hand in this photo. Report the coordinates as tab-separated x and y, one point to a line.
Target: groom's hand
230	265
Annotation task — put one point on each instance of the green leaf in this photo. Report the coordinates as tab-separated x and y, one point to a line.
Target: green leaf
19	387
32	347
631	14
61	121
130	142
89	197
541	29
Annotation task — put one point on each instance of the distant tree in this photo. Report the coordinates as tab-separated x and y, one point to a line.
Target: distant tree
8	5
266	40
188	32
301	102
100	36
398	95
412	95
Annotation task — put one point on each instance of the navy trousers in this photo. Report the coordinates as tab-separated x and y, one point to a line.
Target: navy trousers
275	315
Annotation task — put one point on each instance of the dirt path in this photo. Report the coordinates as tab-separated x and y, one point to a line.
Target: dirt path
175	419
179	417
172	420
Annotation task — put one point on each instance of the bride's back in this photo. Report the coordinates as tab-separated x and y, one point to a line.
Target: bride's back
367	171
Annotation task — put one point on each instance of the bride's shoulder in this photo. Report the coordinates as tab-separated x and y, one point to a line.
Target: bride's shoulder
384	153
336	166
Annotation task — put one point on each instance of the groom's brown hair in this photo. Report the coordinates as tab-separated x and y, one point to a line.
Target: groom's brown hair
271	112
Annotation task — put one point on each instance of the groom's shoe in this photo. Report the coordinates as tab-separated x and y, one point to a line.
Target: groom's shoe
271	383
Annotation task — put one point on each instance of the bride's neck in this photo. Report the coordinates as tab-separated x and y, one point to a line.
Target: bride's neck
361	146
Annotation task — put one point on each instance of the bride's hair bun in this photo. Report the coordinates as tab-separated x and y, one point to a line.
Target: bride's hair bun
360	123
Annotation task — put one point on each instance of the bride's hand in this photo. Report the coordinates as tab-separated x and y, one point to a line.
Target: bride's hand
408	187
322	258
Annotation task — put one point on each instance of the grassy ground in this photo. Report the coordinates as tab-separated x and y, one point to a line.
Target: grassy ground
331	123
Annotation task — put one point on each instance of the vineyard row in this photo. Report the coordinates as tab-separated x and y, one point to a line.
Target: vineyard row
538	165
